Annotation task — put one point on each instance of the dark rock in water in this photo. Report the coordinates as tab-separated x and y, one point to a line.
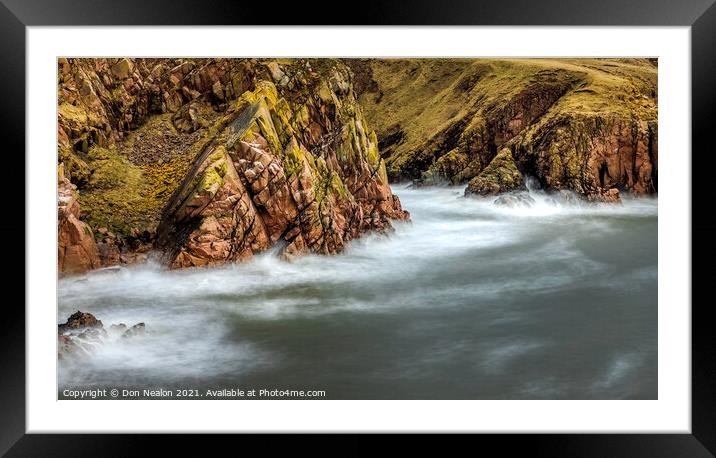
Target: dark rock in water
74	346
120	328
79	335
515	200
82	334
66	346
137	329
94	335
79	320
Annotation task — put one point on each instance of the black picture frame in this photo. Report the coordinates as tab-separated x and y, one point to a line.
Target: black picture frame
699	15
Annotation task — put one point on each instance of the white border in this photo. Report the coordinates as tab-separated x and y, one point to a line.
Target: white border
671	413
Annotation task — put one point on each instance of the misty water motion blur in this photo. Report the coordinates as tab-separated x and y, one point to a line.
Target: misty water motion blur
469	301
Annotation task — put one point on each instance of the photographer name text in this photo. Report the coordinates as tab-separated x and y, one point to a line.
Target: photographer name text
159	393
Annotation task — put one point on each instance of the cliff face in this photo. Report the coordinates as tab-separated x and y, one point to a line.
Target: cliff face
586	125
303	172
212	160
76	248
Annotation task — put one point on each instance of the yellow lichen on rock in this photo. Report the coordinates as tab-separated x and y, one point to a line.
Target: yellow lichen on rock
220	157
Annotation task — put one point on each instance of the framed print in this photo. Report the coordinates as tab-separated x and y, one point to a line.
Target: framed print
417	221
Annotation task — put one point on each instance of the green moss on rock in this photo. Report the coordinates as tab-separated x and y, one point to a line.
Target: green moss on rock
118	196
501	175
75	168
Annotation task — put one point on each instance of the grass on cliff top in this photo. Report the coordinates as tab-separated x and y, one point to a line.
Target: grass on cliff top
425	96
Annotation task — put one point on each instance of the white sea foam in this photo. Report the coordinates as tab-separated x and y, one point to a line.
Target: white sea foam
459	257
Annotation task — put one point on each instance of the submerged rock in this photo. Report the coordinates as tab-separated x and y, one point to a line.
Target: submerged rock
82	334
515	200
67	346
137	329
118	328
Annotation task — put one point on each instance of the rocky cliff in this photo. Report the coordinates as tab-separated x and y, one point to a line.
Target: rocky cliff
587	125
76	248
212	160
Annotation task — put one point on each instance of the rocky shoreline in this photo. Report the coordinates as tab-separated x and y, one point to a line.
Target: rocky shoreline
208	161
585	125
212	160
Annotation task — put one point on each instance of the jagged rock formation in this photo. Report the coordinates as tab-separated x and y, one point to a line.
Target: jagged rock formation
258	183
76	248
587	125
83	333
500	175
211	160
